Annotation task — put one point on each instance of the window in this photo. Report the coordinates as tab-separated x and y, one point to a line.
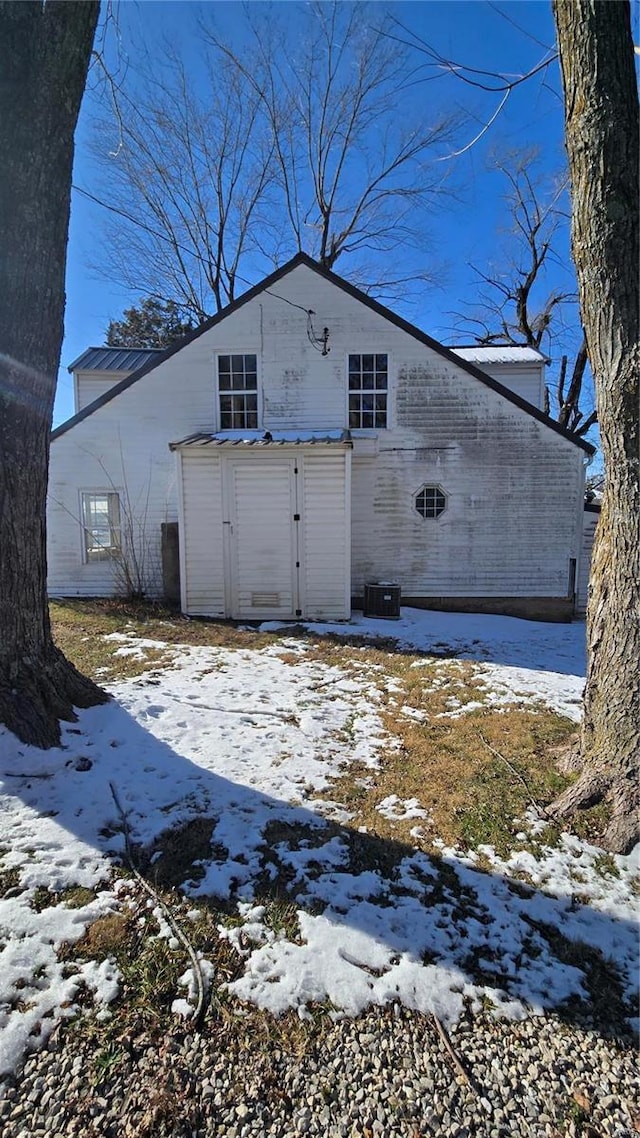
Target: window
101	525
368	385
430	501
238	392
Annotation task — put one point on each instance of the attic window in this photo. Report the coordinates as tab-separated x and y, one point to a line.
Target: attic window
368	382
238	392
430	501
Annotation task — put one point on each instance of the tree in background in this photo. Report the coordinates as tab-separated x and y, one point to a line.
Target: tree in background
188	180
153	324
353	175
44	57
297	144
601	131
515	307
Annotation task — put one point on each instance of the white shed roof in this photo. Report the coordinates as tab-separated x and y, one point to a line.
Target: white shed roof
482	354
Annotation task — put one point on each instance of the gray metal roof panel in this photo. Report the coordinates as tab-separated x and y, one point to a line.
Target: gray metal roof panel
113	359
266	438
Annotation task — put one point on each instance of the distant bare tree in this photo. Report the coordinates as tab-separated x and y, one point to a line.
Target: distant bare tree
357	174
188	177
303	144
514	305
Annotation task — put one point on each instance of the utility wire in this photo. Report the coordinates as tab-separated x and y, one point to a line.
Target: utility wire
177	245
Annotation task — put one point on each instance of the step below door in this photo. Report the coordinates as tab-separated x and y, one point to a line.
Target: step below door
262	539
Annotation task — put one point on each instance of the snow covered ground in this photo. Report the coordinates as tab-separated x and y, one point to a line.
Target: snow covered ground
520	658
250	738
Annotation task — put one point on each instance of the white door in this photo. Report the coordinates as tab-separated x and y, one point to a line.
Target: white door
262	538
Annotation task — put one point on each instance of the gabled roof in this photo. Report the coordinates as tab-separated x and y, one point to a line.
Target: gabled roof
113	359
357	294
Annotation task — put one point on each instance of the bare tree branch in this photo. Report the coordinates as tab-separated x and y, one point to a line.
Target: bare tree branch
307	149
514	304
189	180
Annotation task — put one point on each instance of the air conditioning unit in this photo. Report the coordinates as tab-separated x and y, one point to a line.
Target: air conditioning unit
382	599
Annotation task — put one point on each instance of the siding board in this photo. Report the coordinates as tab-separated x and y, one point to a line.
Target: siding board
326	543
203	557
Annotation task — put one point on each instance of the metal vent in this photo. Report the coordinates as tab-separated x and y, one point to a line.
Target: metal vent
265	600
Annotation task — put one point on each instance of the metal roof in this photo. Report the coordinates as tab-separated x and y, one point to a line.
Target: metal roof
113	359
266	438
499	354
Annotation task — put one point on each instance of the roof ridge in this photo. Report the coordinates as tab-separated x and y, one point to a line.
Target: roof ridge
264	285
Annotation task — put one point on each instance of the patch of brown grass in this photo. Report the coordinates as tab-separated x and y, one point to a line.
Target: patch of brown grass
180	848
9	879
76	897
107	936
471	795
80	633
79	629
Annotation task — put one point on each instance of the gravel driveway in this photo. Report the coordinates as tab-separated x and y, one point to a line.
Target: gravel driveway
384	1074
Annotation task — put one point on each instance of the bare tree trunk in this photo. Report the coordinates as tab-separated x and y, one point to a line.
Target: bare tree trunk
601	113
568	413
44	57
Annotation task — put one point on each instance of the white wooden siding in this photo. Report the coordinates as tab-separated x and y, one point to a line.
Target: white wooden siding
326	544
527	382
201	535
514	487
590	521
492	539
90	385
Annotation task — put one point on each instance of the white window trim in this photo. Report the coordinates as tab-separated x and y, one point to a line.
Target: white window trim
370	432
114	551
260	402
430	486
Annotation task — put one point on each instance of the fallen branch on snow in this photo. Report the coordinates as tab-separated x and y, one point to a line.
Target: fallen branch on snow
175	928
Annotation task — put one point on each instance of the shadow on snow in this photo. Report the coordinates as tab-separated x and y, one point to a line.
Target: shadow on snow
378	920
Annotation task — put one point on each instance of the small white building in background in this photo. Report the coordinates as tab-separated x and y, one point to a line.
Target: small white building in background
590	519
307	441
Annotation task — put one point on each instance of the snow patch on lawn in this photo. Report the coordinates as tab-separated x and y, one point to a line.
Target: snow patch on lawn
520	661
398	809
471	636
238	736
248	739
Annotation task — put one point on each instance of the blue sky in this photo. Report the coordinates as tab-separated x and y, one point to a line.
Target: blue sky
509	36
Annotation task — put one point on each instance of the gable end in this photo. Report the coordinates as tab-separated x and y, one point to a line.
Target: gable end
357	294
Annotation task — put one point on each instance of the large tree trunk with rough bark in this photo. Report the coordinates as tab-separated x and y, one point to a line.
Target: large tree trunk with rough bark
601	121
44	57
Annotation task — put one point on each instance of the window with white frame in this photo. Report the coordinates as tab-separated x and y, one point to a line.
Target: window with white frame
102	535
368	390
238	392
430	501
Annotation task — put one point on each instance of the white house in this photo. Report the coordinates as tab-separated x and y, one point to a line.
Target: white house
308	441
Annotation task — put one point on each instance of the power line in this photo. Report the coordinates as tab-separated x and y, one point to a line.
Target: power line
177	245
